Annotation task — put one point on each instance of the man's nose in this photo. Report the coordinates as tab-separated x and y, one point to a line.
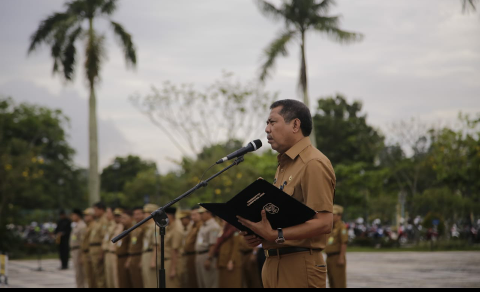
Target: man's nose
267	129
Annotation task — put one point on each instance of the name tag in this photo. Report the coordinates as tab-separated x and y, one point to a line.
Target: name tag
107	238
145	244
74	238
119	244
134	240
330	240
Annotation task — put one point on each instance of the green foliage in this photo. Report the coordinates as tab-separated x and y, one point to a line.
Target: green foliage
36	162
430	218
343	133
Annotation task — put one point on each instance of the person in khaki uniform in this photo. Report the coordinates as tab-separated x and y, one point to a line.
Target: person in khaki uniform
207	274
122	248
76	239
189	253
149	268
85	246
135	251
112	247
98	232
294	255
251	278
110	258
336	251
187	225
229	258
173	245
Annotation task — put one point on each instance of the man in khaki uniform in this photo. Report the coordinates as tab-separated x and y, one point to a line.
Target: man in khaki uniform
336	251
294	258
229	258
207	274
85	246
76	239
122	248
187	225
189	253
251	278
109	257
99	230
135	251
149	268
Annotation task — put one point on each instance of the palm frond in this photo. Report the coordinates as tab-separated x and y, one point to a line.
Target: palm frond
78	8
128	46
95	53
469	4
276	48
46	29
109	7
330	26
68	58
269	10
323	6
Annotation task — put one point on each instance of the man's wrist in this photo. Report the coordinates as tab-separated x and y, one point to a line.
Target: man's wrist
273	235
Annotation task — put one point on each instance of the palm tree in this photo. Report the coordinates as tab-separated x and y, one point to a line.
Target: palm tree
301	16
60	32
469	4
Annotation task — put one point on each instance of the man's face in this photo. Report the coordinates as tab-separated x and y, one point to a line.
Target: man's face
110	216
88	218
118	219
206	216
171	218
185	221
196	216
126	219
138	215
280	134
98	212
74	217
337	218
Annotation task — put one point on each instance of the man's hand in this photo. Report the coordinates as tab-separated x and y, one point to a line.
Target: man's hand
173	274
127	264
252	240
341	261
153	266
230	266
262	228
207	264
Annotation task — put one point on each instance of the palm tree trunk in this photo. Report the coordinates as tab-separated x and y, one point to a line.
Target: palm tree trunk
93	179
304	85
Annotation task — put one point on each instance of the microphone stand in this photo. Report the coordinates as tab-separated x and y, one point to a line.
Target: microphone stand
159	216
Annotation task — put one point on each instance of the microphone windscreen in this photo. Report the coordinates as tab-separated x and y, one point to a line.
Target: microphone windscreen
258	144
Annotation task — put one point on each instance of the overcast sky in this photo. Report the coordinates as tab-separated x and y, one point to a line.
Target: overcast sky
418	59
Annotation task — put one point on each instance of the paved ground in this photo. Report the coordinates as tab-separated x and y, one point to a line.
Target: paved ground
432	270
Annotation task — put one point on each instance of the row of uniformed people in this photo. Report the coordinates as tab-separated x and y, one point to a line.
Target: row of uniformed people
198	254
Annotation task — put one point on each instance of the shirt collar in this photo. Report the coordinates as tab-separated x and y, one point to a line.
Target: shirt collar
296	149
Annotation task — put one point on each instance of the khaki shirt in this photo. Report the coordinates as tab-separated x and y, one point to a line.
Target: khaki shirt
136	241
86	238
308	176
207	235
122	246
109	235
99	230
337	238
191	239
173	239
78	233
149	238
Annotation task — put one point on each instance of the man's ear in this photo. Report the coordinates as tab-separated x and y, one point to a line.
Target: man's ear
296	125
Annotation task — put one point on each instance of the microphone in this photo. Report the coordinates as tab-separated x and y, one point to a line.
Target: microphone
252	146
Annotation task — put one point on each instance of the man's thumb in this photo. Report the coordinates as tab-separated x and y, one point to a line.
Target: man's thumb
264	215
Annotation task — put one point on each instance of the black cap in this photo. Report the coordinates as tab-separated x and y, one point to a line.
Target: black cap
171	210
78	212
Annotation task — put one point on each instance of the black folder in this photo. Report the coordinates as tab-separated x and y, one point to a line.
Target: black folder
283	211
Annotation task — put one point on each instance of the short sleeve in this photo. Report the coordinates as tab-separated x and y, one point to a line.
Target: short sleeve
213	236
318	186
344	235
177	239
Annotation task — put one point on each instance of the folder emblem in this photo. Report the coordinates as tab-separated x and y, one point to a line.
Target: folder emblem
271	209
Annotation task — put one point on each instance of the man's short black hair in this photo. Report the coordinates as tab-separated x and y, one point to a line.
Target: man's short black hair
138	208
78	212
101	206
196	207
294	109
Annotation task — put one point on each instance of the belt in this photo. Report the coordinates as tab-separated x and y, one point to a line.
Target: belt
74	248
189	253
95	244
203	252
112	252
135	254
123	256
148	250
287	250
333	254
86	250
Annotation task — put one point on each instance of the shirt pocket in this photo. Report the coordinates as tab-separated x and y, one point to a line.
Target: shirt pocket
289	190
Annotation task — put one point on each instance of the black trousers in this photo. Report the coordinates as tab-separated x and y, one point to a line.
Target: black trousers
64	251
